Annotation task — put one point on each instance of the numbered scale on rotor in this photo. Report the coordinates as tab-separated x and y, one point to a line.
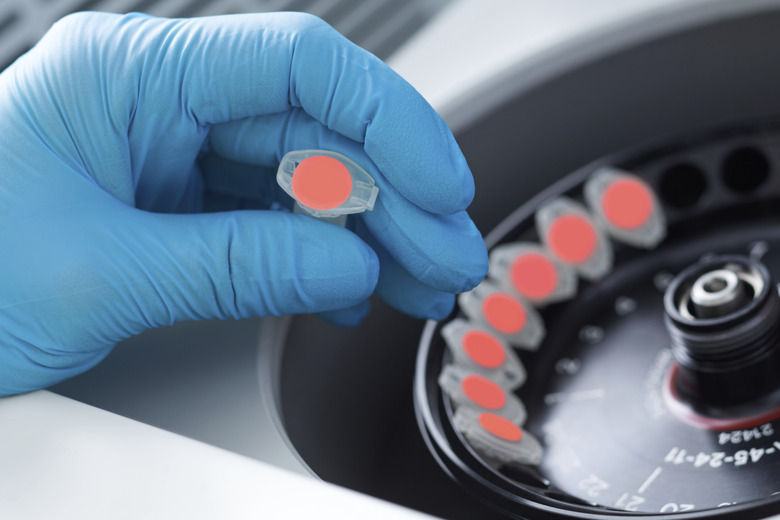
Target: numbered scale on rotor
621	357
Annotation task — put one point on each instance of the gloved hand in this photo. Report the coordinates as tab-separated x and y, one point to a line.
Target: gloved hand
126	140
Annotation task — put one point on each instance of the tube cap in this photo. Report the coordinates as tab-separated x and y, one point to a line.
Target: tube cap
571	234
626	207
497	438
326	184
467	388
508	316
531	271
480	351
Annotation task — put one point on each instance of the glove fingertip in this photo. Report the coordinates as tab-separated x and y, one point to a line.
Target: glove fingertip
349	317
442	307
434	306
336	269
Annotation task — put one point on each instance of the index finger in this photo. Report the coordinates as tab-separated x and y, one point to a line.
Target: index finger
231	67
355	94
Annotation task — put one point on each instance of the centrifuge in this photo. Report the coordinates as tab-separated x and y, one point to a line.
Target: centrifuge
621	358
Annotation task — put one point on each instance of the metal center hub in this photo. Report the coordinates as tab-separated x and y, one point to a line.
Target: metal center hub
715	293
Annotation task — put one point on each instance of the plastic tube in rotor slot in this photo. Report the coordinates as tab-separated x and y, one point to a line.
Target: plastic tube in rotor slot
626	207
506	315
573	237
497	438
530	271
467	388
326	185
479	351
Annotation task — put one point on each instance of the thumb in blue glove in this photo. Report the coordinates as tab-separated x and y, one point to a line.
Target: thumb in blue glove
119	132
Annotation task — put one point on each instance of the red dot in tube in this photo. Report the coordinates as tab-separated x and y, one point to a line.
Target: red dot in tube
534	276
572	238
501	427
484	392
321	182
483	348
627	203
504	313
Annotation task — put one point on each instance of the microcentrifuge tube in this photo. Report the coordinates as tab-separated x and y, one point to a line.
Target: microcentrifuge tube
479	350
326	185
507	315
570	233
626	207
496	437
467	388
533	272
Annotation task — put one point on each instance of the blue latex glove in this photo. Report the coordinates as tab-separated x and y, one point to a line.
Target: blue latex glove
126	140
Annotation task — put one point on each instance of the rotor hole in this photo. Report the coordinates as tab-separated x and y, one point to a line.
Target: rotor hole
682	185
745	169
